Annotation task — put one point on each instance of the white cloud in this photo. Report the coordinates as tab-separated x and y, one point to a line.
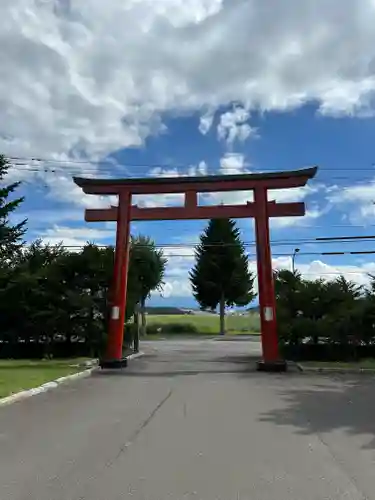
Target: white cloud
230	164
158	200
283	222
293	194
200	169
205	123
353	98
358	193
76	237
178	284
180	261
319	269
40	218
233	163
357	202
316	269
91	77
176	288
233	126
58	183
63	189
193	170
169	199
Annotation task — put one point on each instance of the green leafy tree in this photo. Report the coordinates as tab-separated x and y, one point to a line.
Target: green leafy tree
29	298
335	313
343	310
55	303
86	277
289	305
10	234
147	268
221	275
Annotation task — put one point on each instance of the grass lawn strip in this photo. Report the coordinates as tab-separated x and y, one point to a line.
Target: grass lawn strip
208	324
201	336
21	375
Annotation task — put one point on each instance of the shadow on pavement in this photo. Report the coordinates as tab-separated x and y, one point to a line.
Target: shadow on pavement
155	366
344	402
175	373
152	365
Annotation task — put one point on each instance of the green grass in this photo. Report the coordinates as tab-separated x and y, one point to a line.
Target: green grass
18	375
208	324
363	363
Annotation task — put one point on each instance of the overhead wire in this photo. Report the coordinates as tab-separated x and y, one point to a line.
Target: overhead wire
97	165
307	273
192	247
88	167
98	168
153	165
274	243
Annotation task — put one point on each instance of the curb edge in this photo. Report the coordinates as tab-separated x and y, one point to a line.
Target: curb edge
52	384
317	369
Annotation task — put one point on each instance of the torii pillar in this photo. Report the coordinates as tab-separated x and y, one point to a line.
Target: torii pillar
261	209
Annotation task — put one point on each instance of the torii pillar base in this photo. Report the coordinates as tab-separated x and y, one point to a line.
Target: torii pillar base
113	363
272	366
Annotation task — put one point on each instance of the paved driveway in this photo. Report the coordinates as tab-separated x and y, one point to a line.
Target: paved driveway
192	420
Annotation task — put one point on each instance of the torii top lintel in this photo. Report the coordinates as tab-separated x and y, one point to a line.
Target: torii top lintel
201	184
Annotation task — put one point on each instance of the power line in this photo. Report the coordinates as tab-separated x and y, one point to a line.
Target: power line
327	226
335	238
226	245
99	168
334	273
274	243
98	165
99	172
158	165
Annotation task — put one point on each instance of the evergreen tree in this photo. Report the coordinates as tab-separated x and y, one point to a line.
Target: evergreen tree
221	275
10	235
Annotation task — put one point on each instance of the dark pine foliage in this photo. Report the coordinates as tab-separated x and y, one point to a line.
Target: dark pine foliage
10	234
221	275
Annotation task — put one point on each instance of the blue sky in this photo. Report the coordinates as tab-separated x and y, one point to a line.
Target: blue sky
163	88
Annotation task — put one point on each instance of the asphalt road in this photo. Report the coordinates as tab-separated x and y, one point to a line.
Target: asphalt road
192	420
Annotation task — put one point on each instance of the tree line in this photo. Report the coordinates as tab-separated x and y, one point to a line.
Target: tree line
54	302
325	320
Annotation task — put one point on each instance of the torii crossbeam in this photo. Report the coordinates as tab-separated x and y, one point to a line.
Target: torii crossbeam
261	209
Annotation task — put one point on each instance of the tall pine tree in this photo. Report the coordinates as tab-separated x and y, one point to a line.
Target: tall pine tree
221	276
10	235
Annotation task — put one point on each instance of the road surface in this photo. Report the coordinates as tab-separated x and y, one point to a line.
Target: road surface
192	420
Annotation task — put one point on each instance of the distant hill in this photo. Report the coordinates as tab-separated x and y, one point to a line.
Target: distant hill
165	310
171	310
253	309
178	311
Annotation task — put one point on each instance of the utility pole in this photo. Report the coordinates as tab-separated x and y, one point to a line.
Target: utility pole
296	250
136	330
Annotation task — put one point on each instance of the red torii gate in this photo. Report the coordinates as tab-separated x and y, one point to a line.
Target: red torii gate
261	209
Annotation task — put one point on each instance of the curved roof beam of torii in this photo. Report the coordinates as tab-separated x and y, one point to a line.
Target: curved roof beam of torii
201	184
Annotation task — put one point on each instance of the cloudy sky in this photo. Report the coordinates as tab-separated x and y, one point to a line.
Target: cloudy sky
189	87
